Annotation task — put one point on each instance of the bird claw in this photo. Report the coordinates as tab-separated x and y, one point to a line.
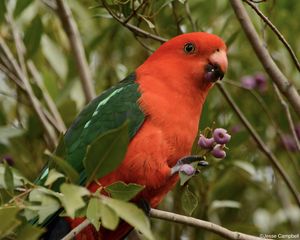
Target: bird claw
188	160
145	206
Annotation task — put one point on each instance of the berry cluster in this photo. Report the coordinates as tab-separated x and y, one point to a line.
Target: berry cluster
215	144
257	81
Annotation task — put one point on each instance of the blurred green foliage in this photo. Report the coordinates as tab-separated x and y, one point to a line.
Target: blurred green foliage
241	192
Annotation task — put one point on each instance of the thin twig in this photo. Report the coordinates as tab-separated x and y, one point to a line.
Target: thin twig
288	115
283	84
176	17
194	222
277	32
73	35
263	147
28	89
76	230
18	42
11	76
189	15
134	12
133	28
59	125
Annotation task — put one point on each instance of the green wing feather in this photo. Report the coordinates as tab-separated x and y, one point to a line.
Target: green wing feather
108	111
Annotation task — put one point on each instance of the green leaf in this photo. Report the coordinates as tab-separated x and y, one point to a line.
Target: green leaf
126	9
33	35
7	132
18	180
53	176
93	212
150	24
106	153
184	177
189	201
29	232
123	191
54	56
21	5
2	10
48	204
9	178
97	210
65	167
9	221
109	217
232	38
72	198
131	214
29	214
60	150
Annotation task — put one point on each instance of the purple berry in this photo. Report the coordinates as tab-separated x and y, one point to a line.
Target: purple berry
8	159
261	82
221	136
297	130
187	169
236	129
248	82
218	151
289	142
206	143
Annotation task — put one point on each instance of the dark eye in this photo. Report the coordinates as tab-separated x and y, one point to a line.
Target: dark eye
189	48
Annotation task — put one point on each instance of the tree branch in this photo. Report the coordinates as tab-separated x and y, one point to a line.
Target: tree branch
194	222
262	146
76	230
285	87
73	35
59	123
133	28
51	138
289	116
276	31
177	218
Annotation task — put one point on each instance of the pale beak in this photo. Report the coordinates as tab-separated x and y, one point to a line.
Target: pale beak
219	58
217	66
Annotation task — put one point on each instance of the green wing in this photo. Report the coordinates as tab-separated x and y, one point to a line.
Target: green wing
108	111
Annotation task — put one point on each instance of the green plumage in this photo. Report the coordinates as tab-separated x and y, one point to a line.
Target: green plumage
108	111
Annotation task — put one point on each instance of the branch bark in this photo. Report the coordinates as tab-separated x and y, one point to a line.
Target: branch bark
283	84
276	31
73	35
76	230
194	222
131	27
51	137
177	218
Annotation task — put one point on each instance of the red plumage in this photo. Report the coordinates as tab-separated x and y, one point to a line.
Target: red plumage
173	87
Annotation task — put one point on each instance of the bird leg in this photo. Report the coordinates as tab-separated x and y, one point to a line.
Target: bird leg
188	160
144	205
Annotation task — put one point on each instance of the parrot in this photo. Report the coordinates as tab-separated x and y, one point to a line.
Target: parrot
162	101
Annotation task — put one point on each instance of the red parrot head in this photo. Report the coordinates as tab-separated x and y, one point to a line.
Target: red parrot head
199	57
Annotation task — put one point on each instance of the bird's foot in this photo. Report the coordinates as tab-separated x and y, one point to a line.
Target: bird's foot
183	164
145	206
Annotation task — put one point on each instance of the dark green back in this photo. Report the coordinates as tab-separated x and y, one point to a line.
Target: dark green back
108	111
